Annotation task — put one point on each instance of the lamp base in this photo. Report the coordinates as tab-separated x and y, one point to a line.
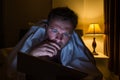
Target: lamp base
94	44
94	53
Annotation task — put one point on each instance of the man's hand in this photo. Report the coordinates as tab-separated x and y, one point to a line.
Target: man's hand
47	48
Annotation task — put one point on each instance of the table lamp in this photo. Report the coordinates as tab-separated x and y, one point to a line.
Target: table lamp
94	29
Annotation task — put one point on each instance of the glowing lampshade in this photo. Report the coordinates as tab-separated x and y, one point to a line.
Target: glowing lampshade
94	29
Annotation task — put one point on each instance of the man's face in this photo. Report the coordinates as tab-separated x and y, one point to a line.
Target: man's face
60	31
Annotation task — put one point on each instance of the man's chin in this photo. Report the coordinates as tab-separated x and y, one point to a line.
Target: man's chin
62	46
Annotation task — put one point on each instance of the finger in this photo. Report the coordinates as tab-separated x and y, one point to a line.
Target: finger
55	45
52	43
50	49
43	53
47	54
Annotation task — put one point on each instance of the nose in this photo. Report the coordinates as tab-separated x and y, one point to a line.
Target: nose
58	38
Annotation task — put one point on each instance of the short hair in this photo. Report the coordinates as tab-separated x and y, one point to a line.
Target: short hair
63	13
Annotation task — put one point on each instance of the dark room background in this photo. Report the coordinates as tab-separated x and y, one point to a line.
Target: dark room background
18	15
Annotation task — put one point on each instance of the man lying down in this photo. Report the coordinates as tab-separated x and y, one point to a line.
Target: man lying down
56	39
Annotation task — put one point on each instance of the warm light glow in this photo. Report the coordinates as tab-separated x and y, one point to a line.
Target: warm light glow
94	29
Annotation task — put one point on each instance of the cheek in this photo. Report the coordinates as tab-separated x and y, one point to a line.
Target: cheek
65	41
51	35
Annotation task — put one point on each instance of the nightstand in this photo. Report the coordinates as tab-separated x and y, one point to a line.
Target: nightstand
101	55
102	64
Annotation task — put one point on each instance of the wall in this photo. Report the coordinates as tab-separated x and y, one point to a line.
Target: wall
18	13
88	11
1	23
